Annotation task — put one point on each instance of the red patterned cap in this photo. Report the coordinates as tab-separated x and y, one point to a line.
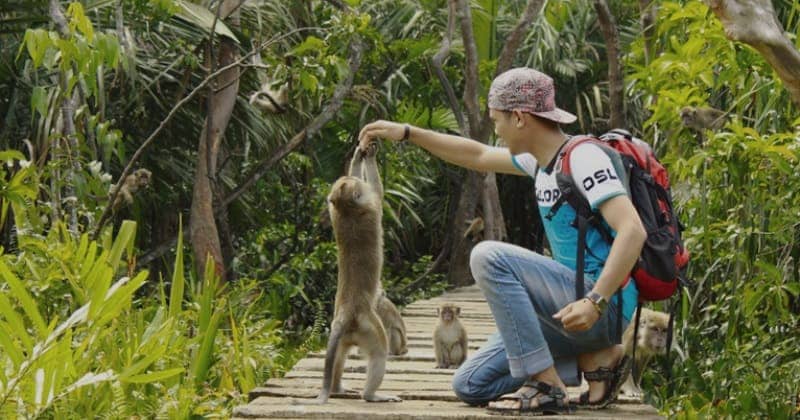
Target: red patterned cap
527	90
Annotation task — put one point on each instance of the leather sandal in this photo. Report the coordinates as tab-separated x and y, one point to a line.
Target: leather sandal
550	400
613	378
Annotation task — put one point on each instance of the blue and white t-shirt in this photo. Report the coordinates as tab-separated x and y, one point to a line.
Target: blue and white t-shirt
598	179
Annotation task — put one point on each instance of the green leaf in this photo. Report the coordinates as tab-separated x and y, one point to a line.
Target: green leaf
309	81
178	279
21	294
204	18
152	376
312	44
79	20
125	236
39	101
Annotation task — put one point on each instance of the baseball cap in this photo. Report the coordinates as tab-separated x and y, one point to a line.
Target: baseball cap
527	90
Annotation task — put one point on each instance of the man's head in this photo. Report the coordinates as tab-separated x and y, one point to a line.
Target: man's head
527	90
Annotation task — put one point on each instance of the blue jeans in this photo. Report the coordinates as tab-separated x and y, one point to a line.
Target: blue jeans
524	290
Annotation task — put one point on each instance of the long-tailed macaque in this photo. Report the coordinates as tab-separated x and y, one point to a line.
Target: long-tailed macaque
449	338
702	118
651	340
393	324
355	206
140	178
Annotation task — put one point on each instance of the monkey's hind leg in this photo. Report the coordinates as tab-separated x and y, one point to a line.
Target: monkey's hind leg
372	340
334	345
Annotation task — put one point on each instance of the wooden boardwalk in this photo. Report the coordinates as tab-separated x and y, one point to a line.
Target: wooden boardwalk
426	391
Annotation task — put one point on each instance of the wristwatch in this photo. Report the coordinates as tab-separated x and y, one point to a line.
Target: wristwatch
600	303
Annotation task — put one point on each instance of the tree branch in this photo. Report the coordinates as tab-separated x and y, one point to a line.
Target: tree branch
471	78
438	63
615	84
517	35
754	23
326	114
129	167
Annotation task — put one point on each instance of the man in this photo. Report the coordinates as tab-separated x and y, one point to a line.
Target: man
542	330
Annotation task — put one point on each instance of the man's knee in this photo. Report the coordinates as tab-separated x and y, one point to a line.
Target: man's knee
483	256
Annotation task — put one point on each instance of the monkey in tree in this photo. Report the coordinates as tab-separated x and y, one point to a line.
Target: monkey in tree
449	338
393	324
355	206
699	119
139	179
651	340
269	100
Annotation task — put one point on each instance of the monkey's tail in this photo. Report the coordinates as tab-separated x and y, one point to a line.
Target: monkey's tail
330	359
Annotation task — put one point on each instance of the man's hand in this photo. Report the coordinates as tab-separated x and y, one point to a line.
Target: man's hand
380	129
578	316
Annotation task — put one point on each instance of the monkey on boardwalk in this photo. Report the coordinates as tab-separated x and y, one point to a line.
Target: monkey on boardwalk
140	178
449	338
355	206
651	340
393	324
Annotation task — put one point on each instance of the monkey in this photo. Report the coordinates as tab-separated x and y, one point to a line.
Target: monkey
651	340
393	324
449	338
355	206
702	118
475	229
275	101
140	178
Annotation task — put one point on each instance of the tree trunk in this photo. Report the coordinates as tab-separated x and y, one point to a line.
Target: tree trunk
478	188
647	18
222	98
615	83
754	23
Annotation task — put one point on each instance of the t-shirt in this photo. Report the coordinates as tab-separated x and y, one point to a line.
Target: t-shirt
598	178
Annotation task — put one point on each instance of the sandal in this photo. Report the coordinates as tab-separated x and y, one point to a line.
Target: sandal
613	379
551	400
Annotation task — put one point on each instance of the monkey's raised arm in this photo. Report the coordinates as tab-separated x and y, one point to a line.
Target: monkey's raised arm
356	168
371	174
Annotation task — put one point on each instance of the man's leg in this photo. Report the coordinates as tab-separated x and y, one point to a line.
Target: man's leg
523	290
484	375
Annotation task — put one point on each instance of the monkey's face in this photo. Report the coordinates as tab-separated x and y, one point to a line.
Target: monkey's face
687	115
143	177
449	312
655	335
349	193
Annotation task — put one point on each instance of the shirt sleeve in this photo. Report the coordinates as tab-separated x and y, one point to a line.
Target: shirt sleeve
525	162
594	174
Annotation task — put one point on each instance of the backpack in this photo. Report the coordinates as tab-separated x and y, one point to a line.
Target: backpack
663	259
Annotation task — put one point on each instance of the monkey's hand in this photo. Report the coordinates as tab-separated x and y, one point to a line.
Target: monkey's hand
371	150
578	316
380	129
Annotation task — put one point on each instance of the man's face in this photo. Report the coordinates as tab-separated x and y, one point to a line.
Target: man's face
503	126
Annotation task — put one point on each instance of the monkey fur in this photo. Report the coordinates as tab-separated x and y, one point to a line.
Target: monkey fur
355	206
702	118
651	340
393	324
268	100
449	338
140	178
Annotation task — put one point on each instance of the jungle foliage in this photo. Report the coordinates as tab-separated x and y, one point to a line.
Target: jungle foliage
120	324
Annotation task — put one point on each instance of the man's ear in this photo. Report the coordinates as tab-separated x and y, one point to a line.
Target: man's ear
519	118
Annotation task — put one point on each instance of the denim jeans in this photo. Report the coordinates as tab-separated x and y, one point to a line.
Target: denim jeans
524	290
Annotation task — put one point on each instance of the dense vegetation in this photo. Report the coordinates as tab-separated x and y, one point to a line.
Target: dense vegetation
122	320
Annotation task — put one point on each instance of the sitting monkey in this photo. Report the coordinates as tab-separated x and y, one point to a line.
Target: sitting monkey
449	338
140	178
393	324
651	340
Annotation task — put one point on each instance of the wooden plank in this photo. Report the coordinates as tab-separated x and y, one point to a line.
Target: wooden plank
285	407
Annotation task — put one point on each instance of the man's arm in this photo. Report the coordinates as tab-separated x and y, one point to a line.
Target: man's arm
621	216
457	150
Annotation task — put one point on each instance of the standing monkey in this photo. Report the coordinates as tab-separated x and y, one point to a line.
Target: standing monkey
393	324
651	340
355	205
450	337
